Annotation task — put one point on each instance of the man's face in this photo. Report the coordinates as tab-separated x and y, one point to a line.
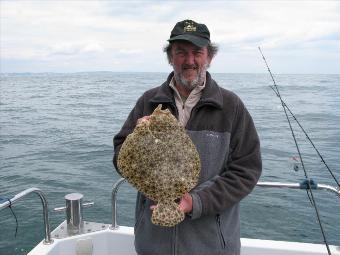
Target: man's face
190	63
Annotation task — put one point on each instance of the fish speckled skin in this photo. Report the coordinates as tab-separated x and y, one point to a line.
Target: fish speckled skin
161	161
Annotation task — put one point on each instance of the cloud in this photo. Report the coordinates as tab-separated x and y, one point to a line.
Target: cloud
129	36
129	51
74	49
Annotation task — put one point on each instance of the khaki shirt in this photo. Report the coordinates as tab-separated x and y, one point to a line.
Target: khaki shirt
184	106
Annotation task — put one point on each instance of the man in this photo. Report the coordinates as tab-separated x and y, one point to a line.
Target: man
226	139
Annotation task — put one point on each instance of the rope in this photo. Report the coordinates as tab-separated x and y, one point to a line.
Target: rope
15	217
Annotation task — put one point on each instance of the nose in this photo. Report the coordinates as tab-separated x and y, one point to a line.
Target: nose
190	59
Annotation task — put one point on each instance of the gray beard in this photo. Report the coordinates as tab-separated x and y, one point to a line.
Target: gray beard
190	85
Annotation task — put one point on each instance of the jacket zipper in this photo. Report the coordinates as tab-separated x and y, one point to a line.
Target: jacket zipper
196	108
140	216
193	111
218	220
175	241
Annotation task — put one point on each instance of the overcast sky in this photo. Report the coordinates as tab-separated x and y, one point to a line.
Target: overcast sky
77	36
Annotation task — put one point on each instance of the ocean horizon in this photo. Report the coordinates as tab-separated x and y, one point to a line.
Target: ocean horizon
149	72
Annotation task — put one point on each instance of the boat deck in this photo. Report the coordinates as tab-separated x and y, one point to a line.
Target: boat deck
120	242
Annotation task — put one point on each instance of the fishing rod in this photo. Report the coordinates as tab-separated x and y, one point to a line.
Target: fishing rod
276	91
309	139
285	108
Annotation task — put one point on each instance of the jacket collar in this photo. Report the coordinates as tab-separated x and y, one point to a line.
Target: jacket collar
211	94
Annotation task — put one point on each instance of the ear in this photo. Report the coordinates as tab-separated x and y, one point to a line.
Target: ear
209	59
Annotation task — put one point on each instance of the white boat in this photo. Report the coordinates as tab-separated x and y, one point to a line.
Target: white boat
77	237
120	241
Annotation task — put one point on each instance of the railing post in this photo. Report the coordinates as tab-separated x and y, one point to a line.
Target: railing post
114	202
17	197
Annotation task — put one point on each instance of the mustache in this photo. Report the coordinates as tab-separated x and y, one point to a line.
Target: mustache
186	66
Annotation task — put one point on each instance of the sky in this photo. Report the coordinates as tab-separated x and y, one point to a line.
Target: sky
128	36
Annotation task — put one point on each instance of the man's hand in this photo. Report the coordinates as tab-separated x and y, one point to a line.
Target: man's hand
145	118
185	204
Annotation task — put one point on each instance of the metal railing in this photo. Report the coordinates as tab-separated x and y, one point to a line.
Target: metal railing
43	199
114	202
302	185
48	240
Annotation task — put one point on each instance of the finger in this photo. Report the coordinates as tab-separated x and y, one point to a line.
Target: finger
186	196
145	118
185	204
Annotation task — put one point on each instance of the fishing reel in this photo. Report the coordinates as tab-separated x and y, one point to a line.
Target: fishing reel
295	163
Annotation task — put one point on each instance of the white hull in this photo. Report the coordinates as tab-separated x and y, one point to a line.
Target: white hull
120	242
102	239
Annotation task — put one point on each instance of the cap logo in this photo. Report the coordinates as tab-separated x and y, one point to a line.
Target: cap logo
189	27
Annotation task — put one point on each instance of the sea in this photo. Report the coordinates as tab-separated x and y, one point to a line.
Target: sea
56	134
